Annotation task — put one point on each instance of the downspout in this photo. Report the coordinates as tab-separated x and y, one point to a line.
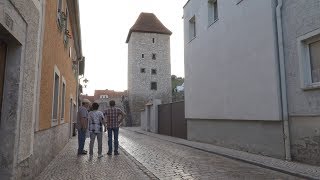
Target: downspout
284	100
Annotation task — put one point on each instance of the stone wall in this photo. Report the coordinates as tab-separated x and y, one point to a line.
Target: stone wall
139	84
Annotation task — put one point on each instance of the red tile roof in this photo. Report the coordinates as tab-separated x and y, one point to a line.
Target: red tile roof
148	23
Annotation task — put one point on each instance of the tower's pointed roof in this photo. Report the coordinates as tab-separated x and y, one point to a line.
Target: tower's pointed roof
148	23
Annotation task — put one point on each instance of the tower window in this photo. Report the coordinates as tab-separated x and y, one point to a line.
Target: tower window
153	85
153	71
143	70
152	40
153	56
142	55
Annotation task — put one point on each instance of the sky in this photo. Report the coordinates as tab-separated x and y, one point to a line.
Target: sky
104	28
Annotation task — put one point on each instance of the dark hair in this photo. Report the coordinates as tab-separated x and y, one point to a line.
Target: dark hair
83	103
112	103
95	106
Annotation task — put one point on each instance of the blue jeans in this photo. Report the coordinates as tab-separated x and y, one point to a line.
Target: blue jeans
81	140
116	142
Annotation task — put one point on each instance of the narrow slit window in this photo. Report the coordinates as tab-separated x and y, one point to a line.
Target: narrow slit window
154	56
192	28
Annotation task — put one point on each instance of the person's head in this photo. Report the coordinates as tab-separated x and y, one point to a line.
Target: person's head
112	103
95	106
86	103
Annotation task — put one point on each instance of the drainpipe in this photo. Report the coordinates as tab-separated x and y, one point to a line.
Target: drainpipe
284	100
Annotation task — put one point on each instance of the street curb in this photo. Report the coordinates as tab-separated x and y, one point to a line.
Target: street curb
293	168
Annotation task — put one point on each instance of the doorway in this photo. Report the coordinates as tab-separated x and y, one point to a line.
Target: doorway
3	52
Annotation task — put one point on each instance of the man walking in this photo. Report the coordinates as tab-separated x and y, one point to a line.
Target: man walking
82	125
113	122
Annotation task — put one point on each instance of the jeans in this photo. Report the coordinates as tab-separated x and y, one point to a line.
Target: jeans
81	140
92	138
116	142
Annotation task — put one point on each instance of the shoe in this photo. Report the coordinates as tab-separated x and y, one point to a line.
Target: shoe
100	156
109	153
116	153
83	153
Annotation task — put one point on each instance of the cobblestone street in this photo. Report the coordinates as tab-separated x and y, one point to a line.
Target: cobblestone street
68	166
167	160
146	157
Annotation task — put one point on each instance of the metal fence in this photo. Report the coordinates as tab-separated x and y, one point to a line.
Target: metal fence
171	120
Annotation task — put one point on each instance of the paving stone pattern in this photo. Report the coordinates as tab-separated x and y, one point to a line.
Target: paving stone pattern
68	166
168	160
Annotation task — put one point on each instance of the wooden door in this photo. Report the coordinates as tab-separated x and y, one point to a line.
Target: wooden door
3	51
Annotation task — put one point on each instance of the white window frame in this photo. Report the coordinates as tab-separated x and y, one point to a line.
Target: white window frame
303	43
213	12
192	28
55	122
59	10
63	100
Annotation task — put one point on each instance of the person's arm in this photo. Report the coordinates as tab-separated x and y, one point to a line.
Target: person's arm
103	122
123	115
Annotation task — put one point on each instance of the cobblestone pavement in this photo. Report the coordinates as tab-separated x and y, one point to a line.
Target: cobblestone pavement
168	160
68	166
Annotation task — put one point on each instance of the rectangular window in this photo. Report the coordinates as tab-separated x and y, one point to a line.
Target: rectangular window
143	70
63	97
212	11
154	56
309	59
153	71
55	98
152	40
59	7
153	85
314	50
192	28
142	55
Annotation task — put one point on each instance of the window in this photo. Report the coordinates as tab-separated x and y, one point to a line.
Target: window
142	55
309	59
63	97
59	7
192	28
66	31
70	52
153	85
212	11
314	49
153	71
143	70
152	40
154	56
104	96
55	101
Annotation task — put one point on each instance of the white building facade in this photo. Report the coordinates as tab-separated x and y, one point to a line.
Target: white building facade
235	84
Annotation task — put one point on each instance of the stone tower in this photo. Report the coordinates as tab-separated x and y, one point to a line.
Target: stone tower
149	73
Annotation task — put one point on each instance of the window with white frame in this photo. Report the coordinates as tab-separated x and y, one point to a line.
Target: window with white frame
192	28
309	56
63	97
212	11
55	98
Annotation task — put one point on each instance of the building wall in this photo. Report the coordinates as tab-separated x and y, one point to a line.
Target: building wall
259	137
231	65
232	94
299	18
139	83
19	28
55	53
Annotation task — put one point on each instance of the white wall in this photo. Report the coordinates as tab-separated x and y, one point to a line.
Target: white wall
231	66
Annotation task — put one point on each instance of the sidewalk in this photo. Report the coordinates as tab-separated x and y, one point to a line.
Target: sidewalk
294	168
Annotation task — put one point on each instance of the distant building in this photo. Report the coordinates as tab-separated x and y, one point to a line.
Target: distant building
253	76
103	97
149	73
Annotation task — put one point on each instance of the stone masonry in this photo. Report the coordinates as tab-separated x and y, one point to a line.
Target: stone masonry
143	44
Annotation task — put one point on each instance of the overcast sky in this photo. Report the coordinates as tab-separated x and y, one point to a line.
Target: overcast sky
105	25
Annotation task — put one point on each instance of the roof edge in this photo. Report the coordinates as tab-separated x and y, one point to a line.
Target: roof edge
141	31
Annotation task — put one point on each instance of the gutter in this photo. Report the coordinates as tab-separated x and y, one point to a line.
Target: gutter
283	87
